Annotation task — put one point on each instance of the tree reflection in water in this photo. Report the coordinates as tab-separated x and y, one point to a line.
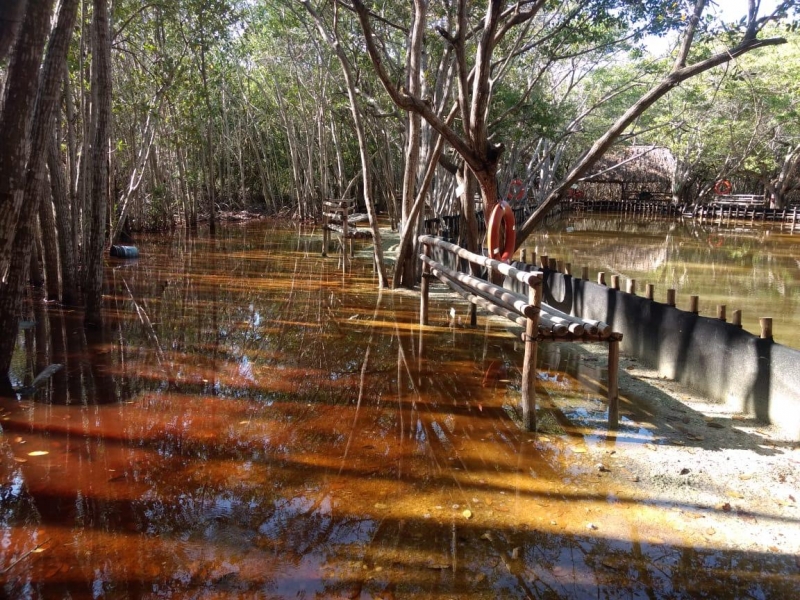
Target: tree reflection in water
747	266
254	423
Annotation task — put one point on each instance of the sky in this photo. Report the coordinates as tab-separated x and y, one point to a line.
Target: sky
726	10
731	10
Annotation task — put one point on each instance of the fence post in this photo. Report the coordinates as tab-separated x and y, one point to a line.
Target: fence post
613	383
423	286
345	217
325	232
528	387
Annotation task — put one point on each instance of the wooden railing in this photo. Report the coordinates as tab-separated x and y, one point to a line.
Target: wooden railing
335	217
741	199
540	321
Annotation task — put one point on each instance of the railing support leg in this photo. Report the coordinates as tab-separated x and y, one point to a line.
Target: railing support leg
613	384
423	287
529	362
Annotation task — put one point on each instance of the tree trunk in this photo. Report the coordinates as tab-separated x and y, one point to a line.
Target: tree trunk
64	223
366	171
211	183
11	15
100	165
47	225
15	120
49	86
408	262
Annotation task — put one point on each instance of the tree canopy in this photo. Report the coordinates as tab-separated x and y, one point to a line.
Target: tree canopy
414	107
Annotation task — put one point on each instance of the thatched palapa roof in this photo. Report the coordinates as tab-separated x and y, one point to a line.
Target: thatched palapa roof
636	165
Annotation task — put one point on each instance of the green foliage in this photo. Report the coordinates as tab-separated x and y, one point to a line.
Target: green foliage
257	75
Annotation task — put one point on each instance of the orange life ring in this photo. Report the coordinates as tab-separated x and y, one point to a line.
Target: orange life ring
516	190
723	187
501	213
715	240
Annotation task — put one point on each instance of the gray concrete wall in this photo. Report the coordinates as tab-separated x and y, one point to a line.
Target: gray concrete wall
719	360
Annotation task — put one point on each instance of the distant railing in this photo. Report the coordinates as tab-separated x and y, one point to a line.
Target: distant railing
741	200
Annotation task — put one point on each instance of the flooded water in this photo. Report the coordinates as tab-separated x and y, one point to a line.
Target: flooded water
754	268
254	424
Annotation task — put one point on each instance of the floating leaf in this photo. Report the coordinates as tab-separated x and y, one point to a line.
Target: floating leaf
38	453
467	514
578	449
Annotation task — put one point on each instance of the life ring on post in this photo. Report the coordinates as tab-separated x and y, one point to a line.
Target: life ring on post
501	213
723	187
516	190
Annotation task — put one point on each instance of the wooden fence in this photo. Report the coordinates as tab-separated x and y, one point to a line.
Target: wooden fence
526	309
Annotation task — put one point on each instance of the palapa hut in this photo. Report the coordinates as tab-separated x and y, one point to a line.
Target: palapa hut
625	173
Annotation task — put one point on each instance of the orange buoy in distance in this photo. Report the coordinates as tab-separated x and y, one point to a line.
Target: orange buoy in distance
516	190
723	187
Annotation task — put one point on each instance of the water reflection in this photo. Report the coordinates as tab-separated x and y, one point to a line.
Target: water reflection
751	267
252	423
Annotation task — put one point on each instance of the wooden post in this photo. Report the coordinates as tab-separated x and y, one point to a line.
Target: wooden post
560	266
613	383
423	287
533	259
544	261
649	291
551	264
631	289
694	302
671	297
585	273
721	312
568	269
473	315
736	318
615	282
345	265
523	255
325	232
766	328
601	278
528	384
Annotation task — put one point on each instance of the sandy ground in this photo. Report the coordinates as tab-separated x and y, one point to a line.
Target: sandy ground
731	481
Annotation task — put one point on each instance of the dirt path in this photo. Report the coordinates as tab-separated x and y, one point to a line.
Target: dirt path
729	481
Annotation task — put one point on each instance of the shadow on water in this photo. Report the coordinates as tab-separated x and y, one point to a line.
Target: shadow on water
252	423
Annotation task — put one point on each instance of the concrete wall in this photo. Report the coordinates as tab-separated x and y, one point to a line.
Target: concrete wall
718	360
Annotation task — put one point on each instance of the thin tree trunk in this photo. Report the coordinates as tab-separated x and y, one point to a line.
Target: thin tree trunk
209	149
50	80
100	165
47	226
64	223
362	145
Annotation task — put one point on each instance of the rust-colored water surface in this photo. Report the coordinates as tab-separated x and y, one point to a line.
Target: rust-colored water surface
254	424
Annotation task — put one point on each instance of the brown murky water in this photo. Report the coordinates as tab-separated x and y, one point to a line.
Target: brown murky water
254	424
